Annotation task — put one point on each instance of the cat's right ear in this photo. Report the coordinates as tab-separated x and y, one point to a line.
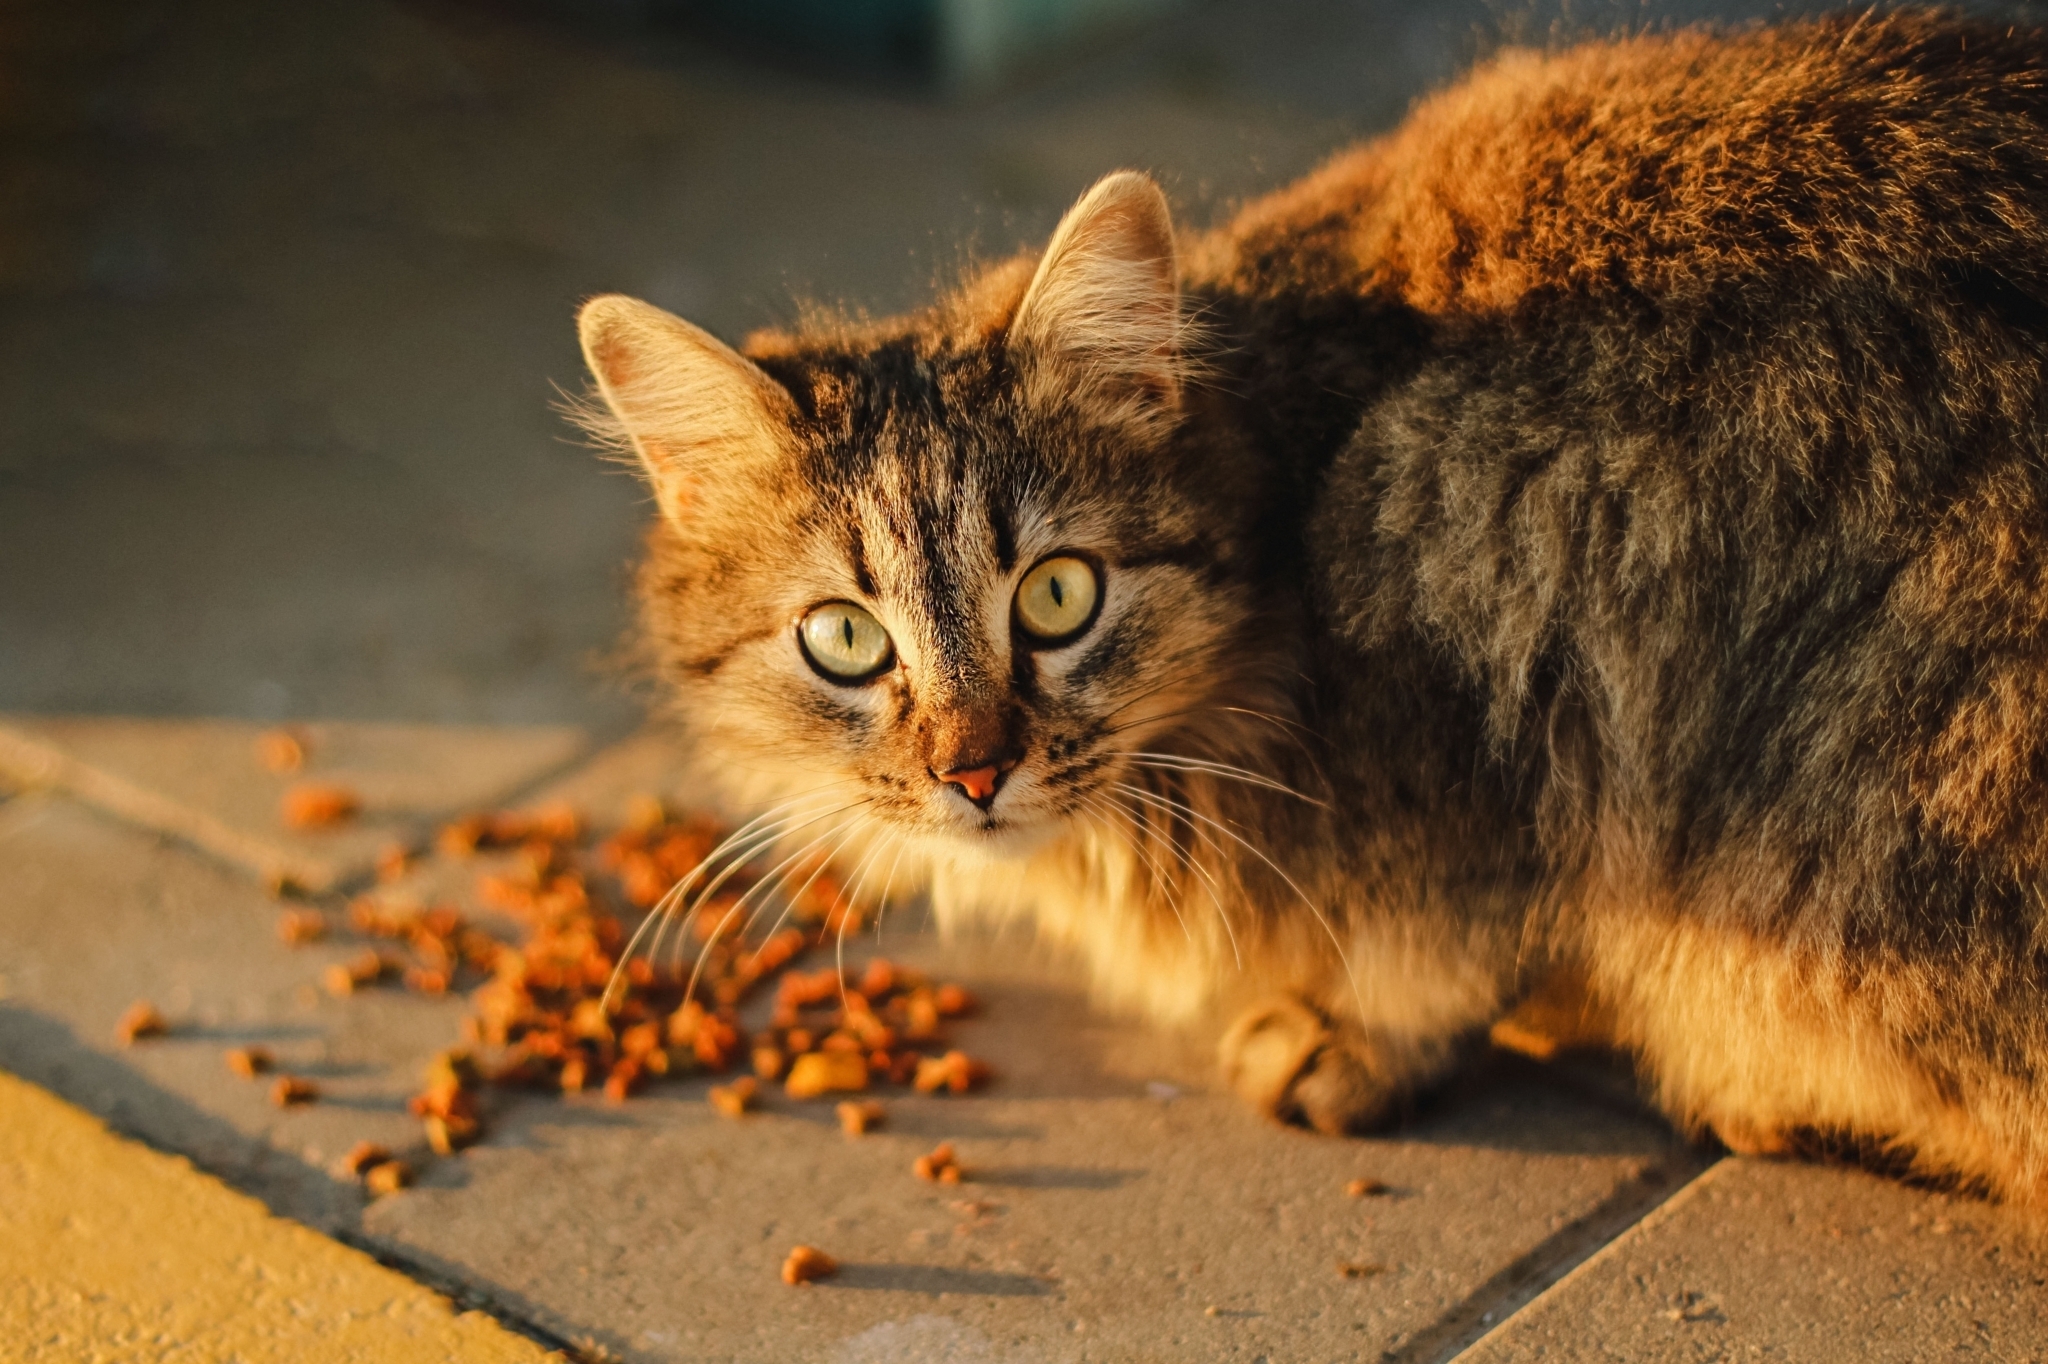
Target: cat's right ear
1101	321
688	403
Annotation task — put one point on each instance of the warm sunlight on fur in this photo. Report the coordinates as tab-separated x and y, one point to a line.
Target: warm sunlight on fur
1587	541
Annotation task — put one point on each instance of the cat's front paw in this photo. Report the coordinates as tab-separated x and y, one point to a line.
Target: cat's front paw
1290	1061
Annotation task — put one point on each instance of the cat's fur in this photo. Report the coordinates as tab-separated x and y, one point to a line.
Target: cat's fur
1615	505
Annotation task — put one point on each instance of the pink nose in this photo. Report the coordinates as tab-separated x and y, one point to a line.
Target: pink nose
978	783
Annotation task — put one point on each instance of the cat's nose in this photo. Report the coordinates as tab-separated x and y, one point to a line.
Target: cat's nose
981	782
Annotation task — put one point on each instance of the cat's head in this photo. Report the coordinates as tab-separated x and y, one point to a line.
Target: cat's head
953	570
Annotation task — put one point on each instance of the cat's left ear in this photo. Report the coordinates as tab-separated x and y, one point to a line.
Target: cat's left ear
1101	321
690	404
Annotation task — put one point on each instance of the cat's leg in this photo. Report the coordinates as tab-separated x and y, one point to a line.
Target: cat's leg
1349	1054
1778	1054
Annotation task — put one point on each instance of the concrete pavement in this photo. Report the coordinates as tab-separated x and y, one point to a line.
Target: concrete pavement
1118	1207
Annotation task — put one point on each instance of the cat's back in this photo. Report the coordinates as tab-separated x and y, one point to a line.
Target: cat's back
1662	164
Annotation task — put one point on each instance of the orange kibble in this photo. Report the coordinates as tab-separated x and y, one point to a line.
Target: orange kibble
858	1117
952	1001
575	1074
291	1090
807	1264
940	1165
427	981
318	805
250	1062
281	750
737	1099
622	1080
450	1131
298	927
387	1177
360	1158
768	1062
140	1021
394	860
822	1072
955	1071
1365	1188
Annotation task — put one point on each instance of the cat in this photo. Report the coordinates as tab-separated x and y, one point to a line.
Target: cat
1598	530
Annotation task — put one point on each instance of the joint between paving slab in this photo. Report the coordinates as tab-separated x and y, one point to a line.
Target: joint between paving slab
466	1295
1555	1261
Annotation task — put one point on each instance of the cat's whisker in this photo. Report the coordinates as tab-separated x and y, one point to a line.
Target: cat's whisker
1105	816
1187	859
763	843
854	886
660	912
1343	957
1183	763
734	852
790	901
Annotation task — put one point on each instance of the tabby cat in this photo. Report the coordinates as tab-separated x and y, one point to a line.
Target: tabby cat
1600	528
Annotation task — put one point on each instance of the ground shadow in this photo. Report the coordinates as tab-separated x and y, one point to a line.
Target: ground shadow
936	1279
47	1053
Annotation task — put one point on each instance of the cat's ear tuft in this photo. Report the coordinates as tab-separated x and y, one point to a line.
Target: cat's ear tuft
687	403
1101	320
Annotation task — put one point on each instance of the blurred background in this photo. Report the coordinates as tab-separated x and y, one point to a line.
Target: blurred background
286	290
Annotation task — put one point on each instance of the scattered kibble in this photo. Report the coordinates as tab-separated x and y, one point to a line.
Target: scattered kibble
140	1021
281	750
955	1071
737	1099
940	1165
291	1090
297	927
250	1062
1365	1188
360	1158
1359	1269
817	1073
808	1264
449	1108
858	1117
387	1177
318	805
394	860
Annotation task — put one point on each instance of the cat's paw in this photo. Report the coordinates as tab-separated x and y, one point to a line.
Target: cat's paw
1289	1061
1749	1137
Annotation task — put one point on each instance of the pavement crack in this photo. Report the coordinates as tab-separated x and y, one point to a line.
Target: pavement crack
1491	1305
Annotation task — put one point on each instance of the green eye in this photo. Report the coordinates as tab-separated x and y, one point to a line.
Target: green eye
844	643
1057	599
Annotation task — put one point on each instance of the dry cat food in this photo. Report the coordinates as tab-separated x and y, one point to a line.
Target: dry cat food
140	1021
250	1062
737	1099
360	1158
318	805
387	1177
1359	1269
282	751
297	927
858	1117
292	1090
539	1013
940	1166
808	1264
1365	1188
449	1107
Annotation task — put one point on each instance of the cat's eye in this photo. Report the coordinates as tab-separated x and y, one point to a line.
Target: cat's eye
845	643
1057	599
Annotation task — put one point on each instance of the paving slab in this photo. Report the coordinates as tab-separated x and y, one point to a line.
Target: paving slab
95	915
1114	1196
113	1252
202	781
1767	1260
